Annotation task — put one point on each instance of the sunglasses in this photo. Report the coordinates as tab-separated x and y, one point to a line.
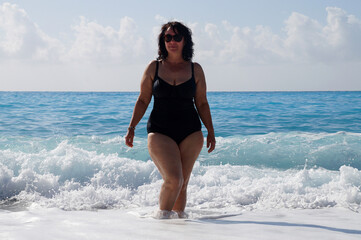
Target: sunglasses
176	38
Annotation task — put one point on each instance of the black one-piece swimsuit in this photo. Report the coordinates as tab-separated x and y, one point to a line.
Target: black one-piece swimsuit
174	114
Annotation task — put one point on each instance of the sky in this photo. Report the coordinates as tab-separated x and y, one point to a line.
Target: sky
258	45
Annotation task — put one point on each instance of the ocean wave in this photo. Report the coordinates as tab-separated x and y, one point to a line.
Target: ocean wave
84	173
289	150
272	150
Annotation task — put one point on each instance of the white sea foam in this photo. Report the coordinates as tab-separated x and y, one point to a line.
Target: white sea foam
76	175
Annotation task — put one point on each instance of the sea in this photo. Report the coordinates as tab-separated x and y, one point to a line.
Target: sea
275	150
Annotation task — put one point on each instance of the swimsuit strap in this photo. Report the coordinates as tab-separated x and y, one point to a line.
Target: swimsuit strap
192	70
156	70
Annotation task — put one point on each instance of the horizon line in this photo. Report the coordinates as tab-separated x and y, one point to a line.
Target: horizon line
214	91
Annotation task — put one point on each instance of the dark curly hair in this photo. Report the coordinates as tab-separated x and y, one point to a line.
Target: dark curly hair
181	29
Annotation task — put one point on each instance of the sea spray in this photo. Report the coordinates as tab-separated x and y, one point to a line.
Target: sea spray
80	173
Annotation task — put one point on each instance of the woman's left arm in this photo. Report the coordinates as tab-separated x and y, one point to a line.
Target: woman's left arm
202	105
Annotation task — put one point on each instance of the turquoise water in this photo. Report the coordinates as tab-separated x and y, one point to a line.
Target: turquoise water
273	129
45	114
274	149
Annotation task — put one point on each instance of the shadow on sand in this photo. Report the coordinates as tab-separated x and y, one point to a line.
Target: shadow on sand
282	224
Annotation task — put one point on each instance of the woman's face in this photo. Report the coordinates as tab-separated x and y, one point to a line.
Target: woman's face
173	46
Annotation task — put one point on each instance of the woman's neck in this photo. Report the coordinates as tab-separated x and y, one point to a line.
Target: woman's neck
174	59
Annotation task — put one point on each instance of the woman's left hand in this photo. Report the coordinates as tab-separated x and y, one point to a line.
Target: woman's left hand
211	141
129	138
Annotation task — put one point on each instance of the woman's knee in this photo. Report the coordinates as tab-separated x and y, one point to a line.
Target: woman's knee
174	182
184	185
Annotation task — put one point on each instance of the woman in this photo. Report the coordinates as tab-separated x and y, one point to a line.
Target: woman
174	129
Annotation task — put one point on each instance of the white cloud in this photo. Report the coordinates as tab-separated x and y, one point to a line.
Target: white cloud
22	38
96	43
343	33
160	19
305	53
304	40
232	44
338	40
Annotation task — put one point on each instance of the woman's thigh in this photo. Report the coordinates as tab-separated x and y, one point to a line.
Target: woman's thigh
190	148
165	153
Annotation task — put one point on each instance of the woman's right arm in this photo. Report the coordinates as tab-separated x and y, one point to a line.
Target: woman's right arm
142	102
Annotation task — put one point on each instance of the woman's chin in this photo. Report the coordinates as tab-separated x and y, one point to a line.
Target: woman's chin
173	50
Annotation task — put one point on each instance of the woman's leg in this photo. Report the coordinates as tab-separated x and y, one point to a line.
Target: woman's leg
189	148
166	155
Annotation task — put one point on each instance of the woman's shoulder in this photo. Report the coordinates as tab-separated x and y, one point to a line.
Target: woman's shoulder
153	63
197	68
151	67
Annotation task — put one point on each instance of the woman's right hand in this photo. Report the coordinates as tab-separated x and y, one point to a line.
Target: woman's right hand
211	141
129	137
